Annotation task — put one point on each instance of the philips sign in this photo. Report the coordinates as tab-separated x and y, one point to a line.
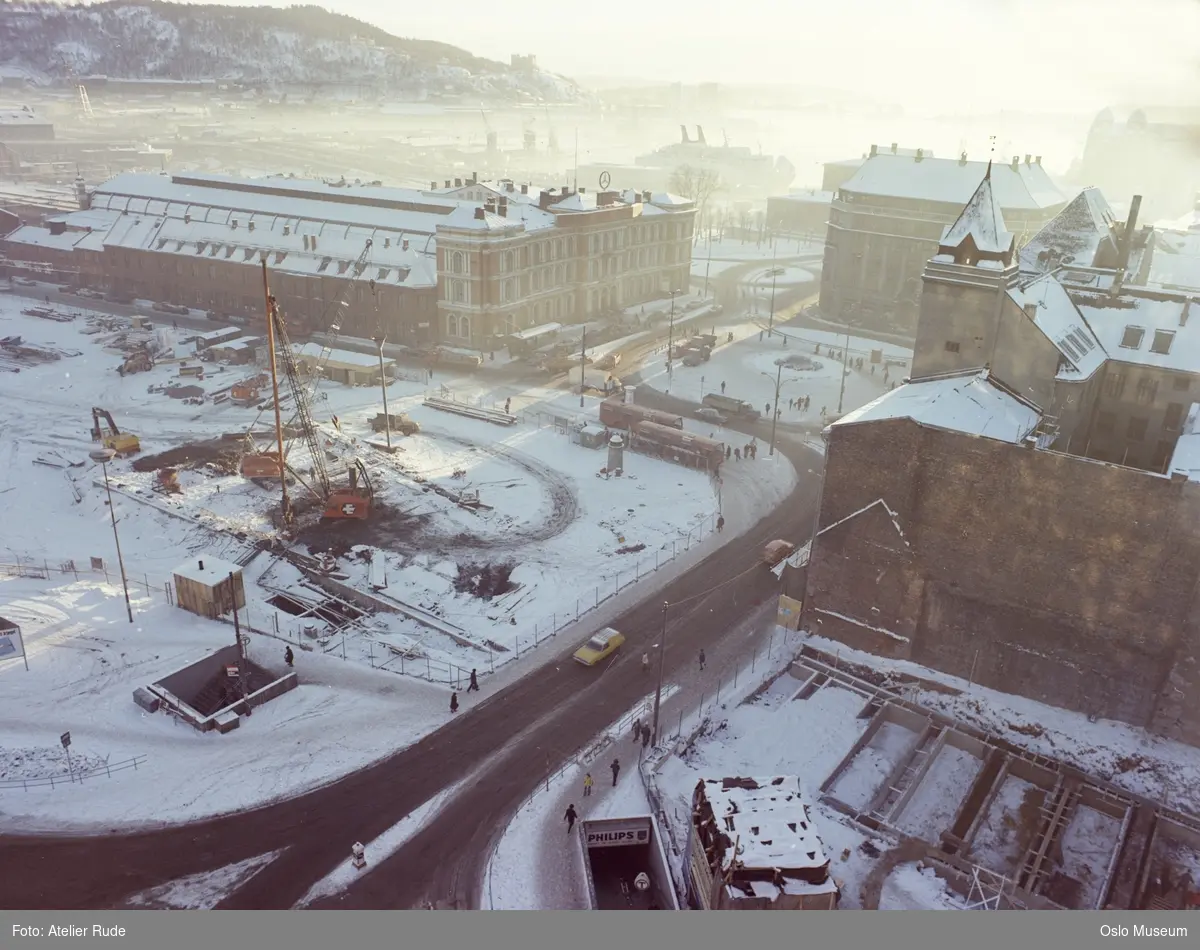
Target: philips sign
618	833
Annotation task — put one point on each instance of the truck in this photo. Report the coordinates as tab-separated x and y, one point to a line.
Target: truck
777	551
731	406
399	422
454	356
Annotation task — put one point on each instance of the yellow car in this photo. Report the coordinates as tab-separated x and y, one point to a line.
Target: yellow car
601	645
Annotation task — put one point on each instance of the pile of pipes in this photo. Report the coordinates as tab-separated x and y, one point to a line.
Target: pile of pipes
15	353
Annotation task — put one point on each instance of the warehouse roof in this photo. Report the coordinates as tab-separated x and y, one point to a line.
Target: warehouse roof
950	181
969	402
771	819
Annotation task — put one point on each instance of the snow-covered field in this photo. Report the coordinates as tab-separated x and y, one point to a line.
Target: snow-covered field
560	536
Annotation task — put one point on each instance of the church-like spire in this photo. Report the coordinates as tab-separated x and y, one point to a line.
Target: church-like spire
979	232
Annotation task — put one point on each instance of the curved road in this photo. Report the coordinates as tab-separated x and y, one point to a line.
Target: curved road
503	745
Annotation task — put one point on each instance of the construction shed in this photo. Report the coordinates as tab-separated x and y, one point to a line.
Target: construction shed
343	366
214	337
237	351
203	585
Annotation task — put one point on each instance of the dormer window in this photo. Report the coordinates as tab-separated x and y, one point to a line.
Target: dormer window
1132	338
1162	342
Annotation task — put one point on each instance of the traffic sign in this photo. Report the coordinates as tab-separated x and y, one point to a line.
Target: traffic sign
65	739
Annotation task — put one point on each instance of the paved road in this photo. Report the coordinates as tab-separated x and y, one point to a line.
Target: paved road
507	741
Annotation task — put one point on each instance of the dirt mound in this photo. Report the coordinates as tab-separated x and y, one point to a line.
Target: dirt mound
223	454
484	581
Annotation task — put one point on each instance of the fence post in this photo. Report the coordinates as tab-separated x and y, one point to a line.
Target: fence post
597	597
718	699
753	660
679	732
656	561
576	608
553	623
637	571
401	664
535	636
146	578
518	646
428	670
672	549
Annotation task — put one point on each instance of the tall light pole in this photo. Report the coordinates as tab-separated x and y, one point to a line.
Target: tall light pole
104	456
583	365
774	270
662	658
775	405
842	391
387	420
670	338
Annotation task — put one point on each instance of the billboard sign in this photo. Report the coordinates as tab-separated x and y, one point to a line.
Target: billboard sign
620	832
10	646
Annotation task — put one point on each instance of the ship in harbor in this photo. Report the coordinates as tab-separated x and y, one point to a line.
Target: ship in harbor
742	172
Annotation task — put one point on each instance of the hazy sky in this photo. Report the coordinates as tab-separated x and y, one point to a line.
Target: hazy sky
992	53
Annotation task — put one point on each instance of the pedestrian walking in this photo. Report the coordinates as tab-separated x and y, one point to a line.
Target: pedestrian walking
507	405
760	333
570	817
454	702
720	524
737	454
730	337
767	409
288	656
872	369
645	662
587	785
702	661
616	770
473	686
637	728
645	735
723	384
728	453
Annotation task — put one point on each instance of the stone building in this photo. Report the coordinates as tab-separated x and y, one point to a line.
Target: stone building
1009	507
465	264
885	222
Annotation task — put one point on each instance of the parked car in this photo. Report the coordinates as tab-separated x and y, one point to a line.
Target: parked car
708	414
177	309
776	551
599	647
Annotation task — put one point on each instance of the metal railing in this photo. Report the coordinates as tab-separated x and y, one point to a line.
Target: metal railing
75	777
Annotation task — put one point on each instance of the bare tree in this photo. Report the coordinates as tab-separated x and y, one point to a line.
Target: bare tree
698	184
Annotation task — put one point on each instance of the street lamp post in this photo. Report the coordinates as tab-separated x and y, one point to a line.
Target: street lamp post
775	406
842	390
774	269
670	338
662	657
387	420
104	456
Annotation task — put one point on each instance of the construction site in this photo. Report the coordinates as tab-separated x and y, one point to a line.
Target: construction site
999	825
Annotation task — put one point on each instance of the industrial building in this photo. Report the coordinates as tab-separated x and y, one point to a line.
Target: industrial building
209	587
1010	507
464	264
343	366
885	222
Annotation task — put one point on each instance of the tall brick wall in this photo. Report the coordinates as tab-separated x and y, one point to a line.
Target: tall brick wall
1066	580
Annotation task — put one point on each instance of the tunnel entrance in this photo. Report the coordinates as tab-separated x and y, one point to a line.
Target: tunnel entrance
626	867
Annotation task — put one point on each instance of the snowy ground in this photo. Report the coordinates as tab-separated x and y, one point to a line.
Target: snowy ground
568	534
751	367
202	891
85	661
910	887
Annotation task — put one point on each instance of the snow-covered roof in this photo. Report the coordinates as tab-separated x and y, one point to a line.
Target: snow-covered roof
1175	259
949	181
222	199
664	199
579	201
339	357
95	219
808	196
1052	310
519	218
1186	458
771	820
206	569
241	343
220	334
981	221
1074	235
1139	329
502	188
534	332
967	402
35	235
25	116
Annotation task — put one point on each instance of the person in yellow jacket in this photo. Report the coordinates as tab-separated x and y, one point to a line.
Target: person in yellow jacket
587	785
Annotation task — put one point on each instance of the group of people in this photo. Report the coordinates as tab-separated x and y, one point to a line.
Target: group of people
472	687
748	451
572	815
800	402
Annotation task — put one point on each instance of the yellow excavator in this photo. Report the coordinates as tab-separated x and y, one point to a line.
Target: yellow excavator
105	431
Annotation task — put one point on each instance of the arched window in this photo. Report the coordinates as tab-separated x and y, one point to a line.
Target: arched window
464	328
506	262
452	325
458	262
458	291
558	275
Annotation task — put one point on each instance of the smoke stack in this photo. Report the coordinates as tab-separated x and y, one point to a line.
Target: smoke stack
1027	158
405	245
920	155
1016	162
1127	233
874	151
201	565
457	182
478	214
895	147
447	182
524	189
433	186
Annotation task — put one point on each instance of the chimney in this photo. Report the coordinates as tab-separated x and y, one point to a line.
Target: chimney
287	230
566	190
502	207
646	197
1183	314
478	214
433	186
404	246
1027	158
962	159
250	225
920	155
457	182
1127	235
582	190
305	242
511	187
1038	160
895	148
524	189
201	565
233	224
387	242
474	178
447	182
187	219
1016	162
874	150
543	199
313	241
1031	310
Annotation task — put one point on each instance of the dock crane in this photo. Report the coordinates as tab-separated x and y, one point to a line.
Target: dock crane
350	502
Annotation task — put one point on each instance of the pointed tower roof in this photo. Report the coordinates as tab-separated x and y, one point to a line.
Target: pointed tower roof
982	224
